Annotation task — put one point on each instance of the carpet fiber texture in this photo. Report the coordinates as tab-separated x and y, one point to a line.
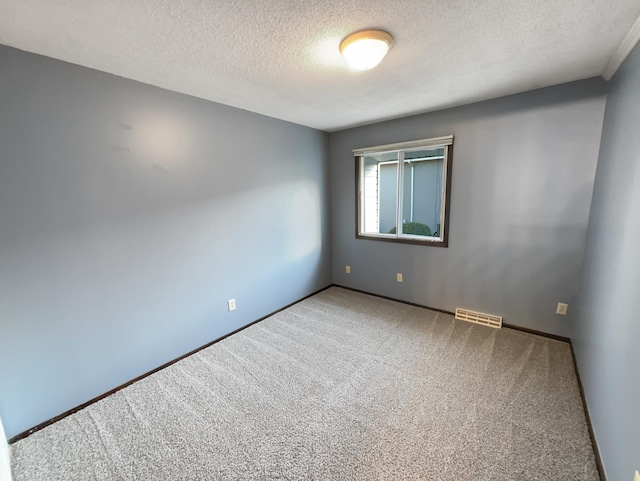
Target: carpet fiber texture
341	386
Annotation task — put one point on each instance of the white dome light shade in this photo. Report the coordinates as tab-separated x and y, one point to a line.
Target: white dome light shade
366	49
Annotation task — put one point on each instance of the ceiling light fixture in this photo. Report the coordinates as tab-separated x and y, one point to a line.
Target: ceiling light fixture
366	49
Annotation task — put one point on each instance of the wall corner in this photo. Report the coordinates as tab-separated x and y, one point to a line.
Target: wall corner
5	461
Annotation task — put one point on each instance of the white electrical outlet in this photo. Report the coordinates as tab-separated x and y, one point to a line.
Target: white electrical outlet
399	277
347	269
232	304
637	476
562	309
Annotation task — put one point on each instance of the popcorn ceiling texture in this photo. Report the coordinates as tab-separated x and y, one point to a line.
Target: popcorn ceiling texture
342	386
280	57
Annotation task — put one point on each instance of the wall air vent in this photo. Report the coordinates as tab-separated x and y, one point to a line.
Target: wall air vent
479	318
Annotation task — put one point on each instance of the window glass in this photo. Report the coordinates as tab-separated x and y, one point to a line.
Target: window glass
422	192
403	191
380	175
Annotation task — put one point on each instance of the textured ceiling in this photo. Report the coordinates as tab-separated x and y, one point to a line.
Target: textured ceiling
280	57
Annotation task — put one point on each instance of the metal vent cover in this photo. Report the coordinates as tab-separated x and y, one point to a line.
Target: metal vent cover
479	318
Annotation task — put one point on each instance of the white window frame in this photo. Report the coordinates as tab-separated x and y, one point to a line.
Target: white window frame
442	240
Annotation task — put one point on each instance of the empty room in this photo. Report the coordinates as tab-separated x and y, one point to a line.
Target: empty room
319	240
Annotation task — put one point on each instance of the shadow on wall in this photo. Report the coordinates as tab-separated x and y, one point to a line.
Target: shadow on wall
519	270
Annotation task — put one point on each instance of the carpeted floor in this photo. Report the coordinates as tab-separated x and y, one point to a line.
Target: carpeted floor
342	386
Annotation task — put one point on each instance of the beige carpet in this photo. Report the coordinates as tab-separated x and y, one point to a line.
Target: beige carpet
342	386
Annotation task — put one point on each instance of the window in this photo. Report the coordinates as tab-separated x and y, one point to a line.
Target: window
403	191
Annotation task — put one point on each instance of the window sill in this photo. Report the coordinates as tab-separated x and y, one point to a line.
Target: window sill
404	240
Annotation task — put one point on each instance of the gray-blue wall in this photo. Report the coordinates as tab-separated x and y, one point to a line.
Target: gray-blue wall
523	172
128	216
607	323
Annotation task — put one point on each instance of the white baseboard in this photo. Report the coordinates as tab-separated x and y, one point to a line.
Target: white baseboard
5	462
